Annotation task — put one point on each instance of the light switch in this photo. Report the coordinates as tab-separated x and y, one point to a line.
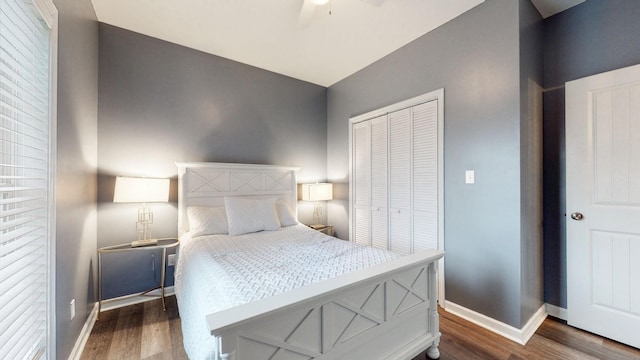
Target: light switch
469	177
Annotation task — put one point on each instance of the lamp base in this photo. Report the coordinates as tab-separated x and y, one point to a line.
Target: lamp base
317	212
145	218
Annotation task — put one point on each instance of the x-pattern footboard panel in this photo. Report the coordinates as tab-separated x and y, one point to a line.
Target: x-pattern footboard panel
331	326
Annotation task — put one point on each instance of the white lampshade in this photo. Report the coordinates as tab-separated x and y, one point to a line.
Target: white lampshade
140	190
317	192
319	2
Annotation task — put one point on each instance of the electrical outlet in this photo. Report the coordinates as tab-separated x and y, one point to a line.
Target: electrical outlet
469	177
72	309
171	260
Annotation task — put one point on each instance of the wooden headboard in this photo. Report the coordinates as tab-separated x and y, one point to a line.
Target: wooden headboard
206	184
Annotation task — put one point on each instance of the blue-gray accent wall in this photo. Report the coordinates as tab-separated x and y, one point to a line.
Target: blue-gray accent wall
77	160
476	58
593	37
160	103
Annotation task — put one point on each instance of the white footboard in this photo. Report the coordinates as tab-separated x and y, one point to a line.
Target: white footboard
388	311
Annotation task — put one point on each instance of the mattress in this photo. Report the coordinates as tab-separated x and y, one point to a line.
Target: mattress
218	272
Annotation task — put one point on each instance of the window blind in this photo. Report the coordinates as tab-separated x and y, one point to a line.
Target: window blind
24	180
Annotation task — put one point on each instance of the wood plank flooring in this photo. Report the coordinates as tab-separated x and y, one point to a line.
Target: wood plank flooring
141	331
144	331
553	340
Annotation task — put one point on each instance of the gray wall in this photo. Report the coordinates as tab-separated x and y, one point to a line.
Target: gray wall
531	77
76	168
476	59
160	103
593	37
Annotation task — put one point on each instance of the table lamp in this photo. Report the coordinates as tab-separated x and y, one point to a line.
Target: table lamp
317	192
142	190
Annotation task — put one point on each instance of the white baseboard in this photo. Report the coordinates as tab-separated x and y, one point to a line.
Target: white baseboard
76	352
133	299
556	311
530	328
520	336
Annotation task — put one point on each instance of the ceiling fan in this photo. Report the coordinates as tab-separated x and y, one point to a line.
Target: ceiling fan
309	8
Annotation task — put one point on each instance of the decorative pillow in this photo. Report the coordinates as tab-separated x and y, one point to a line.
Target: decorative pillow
207	220
246	215
285	214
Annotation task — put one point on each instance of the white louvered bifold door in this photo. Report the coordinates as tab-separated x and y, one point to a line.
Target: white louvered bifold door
395	177
425	176
379	186
400	181
362	179
24	180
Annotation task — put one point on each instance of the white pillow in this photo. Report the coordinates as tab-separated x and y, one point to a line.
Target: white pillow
285	214
207	220
246	215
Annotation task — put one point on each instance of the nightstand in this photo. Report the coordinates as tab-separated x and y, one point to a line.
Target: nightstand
163	244
326	229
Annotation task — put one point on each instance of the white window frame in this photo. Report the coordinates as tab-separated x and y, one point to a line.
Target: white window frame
49	13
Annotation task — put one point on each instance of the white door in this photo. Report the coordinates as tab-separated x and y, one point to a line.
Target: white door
425	176
396	177
603	204
379	188
400	181
361	176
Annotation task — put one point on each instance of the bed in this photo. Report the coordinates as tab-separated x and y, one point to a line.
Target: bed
290	292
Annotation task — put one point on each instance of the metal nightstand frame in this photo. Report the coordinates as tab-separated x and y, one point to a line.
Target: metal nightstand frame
163	244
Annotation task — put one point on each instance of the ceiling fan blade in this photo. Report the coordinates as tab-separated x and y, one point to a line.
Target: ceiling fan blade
306	13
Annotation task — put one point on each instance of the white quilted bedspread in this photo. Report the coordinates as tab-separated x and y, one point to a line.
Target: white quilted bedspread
218	272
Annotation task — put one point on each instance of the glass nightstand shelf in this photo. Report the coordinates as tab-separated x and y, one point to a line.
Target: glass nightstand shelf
326	229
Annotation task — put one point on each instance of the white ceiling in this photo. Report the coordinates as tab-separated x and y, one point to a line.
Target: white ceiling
323	47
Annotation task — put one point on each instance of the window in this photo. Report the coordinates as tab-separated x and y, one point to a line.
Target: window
27	128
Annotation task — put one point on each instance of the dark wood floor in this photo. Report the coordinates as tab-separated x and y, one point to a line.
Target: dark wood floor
144	331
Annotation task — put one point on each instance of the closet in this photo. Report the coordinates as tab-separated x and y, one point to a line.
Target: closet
395	175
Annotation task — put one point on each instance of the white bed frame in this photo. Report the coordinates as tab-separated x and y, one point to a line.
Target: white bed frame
387	311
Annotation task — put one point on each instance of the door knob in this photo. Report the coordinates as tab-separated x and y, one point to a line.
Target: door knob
577	216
